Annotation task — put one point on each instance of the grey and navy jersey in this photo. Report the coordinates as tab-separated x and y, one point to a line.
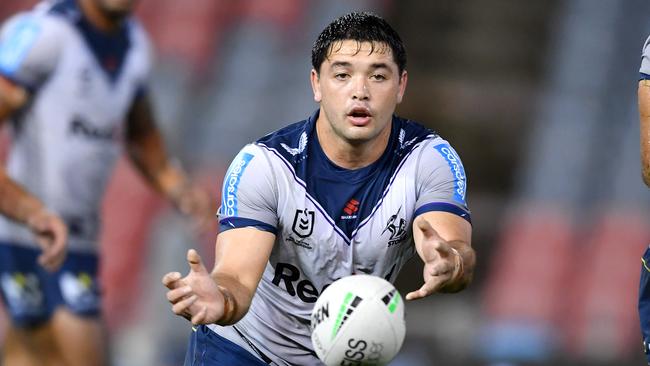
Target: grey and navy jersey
330	222
65	141
645	60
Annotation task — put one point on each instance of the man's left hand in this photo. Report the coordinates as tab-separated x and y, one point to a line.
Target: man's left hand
442	263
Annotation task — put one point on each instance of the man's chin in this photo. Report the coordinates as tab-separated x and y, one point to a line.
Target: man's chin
117	14
116	11
359	137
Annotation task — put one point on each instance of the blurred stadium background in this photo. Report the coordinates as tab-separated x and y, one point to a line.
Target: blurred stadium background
537	96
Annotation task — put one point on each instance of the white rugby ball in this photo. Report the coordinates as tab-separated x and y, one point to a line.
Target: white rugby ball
358	320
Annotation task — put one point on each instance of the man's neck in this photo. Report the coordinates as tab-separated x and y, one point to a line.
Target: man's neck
97	18
347	155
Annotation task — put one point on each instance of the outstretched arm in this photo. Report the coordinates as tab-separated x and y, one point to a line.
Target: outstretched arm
443	241
223	296
21	206
146	150
644	120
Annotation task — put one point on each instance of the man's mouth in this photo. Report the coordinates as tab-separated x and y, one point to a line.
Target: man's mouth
359	116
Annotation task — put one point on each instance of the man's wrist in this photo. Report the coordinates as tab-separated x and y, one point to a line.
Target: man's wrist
176	192
457	280
35	215
459	267
173	181
229	307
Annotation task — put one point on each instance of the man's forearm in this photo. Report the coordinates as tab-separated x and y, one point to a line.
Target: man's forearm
149	157
12	98
644	119
146	150
15	202
237	299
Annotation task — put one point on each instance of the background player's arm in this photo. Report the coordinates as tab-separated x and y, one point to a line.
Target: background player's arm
443	242
644	119
12	98
223	296
21	206
146	150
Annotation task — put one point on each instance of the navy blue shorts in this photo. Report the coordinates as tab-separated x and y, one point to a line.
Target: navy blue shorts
31	294
207	348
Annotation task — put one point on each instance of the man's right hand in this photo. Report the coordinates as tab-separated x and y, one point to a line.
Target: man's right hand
52	236
195	297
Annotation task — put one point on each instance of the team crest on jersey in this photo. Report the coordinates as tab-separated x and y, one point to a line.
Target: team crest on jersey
303	227
396	227
303	223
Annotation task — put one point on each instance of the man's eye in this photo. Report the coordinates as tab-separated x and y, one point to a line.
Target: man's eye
378	77
341	76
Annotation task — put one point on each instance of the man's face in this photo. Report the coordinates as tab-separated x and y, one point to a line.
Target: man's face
358	89
116	8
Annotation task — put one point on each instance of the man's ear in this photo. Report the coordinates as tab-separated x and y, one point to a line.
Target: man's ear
315	85
403	80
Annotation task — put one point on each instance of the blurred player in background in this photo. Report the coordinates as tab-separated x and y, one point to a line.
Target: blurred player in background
644	120
73	82
644	111
351	189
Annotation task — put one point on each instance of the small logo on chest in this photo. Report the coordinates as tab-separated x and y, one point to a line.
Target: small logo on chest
350	210
303	227
396	227
303	223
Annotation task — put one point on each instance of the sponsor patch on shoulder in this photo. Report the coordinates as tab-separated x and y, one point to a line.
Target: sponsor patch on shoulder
231	183
19	39
457	170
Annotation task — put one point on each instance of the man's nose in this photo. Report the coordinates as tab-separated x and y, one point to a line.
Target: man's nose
361	90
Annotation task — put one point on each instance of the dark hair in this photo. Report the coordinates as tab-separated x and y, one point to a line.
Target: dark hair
360	27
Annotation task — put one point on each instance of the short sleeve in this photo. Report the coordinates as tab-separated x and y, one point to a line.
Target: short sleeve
441	181
29	48
249	196
645	61
143	42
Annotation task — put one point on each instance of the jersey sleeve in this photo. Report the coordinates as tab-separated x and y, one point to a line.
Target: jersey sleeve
148	56
645	61
29	49
441	182
249	194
